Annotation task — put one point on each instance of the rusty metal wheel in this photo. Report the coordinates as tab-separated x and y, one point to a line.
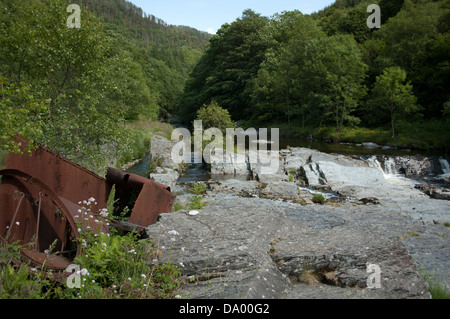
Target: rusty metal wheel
34	217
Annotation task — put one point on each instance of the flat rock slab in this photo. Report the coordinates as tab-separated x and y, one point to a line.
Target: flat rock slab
255	248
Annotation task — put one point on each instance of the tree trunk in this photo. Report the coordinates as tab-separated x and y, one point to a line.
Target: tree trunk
393	126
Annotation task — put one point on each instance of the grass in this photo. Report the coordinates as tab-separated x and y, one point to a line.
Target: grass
437	289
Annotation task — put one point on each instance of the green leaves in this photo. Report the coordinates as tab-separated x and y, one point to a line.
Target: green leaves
20	113
391	93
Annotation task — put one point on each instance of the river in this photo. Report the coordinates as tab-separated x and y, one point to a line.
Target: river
371	153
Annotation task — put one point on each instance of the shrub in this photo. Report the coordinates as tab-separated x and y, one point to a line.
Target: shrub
198	189
318	199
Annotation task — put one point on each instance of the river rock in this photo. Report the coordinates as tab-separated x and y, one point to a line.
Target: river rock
165	176
161	150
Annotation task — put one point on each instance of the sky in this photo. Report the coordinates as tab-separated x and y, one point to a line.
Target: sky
210	15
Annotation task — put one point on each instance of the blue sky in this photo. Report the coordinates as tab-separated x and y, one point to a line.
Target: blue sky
209	15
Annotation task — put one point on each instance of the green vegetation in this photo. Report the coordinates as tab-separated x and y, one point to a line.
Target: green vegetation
318	199
112	266
437	289
196	202
214	116
79	91
330	76
198	189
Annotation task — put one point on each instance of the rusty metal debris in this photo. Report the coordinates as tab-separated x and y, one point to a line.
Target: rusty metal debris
46	202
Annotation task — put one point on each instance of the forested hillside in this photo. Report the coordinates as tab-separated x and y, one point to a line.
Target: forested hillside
74	90
329	72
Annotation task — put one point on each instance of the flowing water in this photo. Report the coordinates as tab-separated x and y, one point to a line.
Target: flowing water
382	158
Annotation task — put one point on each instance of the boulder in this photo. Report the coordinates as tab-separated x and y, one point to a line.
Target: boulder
165	176
161	150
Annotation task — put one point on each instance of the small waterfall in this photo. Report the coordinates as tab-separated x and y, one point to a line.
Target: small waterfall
445	167
374	163
389	166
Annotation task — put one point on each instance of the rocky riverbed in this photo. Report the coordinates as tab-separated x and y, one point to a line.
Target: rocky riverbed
264	237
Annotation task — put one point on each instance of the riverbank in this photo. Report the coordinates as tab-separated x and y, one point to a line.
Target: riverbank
427	136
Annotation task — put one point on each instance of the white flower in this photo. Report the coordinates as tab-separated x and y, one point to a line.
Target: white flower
177	297
183	249
84	272
172	239
104	245
173	232
129	278
143	276
91	200
182	265
17	223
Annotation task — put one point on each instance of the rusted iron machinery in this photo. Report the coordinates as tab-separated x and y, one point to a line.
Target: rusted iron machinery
46	202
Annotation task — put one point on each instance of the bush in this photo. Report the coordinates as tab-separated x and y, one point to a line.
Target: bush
318	199
213	115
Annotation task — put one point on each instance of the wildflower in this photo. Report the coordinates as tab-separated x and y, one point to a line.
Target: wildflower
104	212
143	276
79	210
172	239
173	232
84	272
104	245
129	278
183	249
91	200
177	297
17	223
182	265
131	251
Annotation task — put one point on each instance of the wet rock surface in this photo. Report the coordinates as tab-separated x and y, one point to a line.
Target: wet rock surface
265	238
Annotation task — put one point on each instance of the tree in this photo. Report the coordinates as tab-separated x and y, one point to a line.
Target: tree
226	71
213	116
335	73
20	113
391	93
